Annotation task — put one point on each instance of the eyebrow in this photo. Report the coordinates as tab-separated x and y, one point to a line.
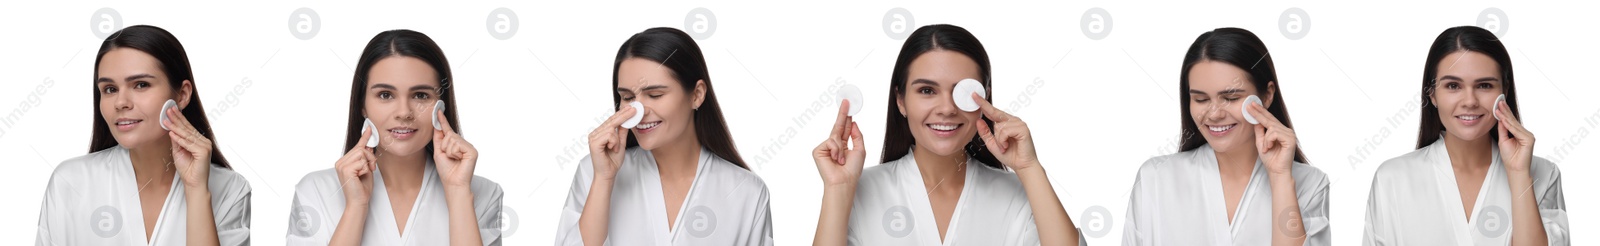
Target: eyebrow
646	88
1228	91
925	81
129	78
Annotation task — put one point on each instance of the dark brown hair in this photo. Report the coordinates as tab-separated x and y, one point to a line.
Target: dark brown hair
1242	49
897	138
1462	38
678	52
405	43
174	63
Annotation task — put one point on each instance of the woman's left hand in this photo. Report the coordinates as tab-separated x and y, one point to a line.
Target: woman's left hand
191	151
1275	143
1516	143
1011	142
453	156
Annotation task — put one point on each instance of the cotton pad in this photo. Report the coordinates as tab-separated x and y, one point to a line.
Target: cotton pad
1496	108
170	104
638	114
852	94
1245	108
963	94
437	106
372	142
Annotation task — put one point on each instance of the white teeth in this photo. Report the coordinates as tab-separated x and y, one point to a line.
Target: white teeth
1219	128
1469	117
127	122
943	127
647	125
403	131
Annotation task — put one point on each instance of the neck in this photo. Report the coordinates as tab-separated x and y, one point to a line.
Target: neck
401	171
936	168
1237	162
153	161
678	159
1469	154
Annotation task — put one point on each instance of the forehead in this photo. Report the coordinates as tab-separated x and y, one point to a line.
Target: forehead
1468	65
1215	76
402	72
121	62
639	73
942	66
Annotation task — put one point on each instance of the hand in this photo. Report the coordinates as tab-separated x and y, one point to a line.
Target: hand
453	156
607	143
355	170
1515	152
838	162
1275	143
191	151
1011	141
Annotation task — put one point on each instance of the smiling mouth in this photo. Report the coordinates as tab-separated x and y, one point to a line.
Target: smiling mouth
1221	129
944	127
128	122
1469	117
647	126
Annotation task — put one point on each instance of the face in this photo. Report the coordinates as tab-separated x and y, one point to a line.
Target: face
132	87
1216	93
401	91
1465	89
933	118
669	108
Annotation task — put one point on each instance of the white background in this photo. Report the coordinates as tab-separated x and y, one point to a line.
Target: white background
1098	110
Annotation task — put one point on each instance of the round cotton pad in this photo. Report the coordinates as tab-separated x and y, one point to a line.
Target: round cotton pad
1496	108
372	142
437	107
851	94
1245	108
963	94
638	114
170	104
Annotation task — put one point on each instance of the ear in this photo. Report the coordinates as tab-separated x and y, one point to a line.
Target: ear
1272	91
185	93
900	102
699	93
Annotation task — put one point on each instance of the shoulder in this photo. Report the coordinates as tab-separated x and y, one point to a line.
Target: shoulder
1159	165
226	181
1306	174
732	175
102	161
881	175
483	188
1402	166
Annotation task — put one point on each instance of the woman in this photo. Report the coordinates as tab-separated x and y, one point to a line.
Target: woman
417	186
944	177
1228	185
1471	180
674	178
140	183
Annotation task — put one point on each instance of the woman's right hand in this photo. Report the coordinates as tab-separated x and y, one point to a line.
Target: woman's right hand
607	143
355	170
838	160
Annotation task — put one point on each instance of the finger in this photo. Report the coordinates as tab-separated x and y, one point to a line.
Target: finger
444	122
1265	117
176	120
620	142
616	119
1515	125
366	134
1261	138
989	110
988	138
855	136
839	121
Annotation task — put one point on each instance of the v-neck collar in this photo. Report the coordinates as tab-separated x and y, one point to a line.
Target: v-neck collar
917	198
655	200
1224	228
138	200
380	197
1451	194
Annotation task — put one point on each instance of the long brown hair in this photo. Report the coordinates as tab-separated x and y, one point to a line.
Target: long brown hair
1242	49
675	50
1462	38
405	43
174	63
897	138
